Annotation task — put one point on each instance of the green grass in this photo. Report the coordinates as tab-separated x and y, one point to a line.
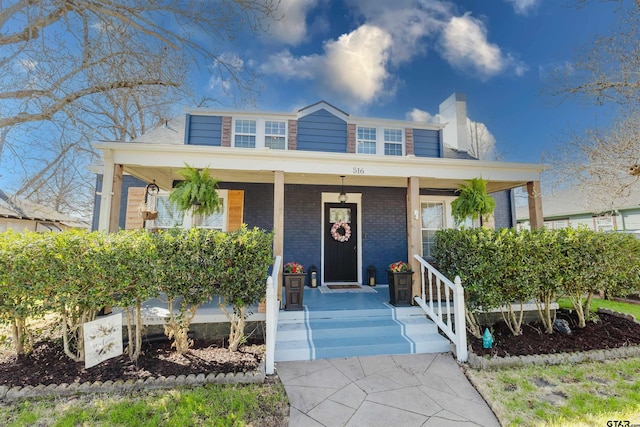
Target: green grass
621	307
563	395
210	405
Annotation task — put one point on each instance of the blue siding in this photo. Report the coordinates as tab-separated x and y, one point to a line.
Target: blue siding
203	130
426	143
322	131
127	182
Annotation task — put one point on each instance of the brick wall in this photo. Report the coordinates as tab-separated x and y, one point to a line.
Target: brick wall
226	131
408	134
292	144
351	138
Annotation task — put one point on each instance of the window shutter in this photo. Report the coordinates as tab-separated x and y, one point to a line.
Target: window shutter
135	198
235	209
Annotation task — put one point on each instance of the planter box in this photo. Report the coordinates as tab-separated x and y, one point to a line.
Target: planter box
400	285
293	290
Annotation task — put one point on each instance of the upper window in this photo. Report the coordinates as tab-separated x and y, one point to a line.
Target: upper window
274	135
366	142
379	140
260	133
393	142
245	135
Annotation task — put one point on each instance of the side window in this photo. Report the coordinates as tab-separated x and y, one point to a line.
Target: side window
432	221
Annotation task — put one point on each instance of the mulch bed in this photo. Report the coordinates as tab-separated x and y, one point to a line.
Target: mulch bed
48	364
609	332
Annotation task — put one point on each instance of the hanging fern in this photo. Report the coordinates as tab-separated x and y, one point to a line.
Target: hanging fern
198	191
473	202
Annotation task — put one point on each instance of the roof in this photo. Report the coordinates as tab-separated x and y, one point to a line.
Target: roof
24	209
574	201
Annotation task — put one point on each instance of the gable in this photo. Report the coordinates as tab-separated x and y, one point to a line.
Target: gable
322	131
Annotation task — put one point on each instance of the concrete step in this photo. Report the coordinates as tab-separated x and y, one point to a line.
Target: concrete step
357	333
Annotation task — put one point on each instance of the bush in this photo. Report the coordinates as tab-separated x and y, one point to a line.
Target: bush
502	268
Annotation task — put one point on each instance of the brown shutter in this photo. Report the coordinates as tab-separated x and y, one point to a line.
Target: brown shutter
135	199
235	209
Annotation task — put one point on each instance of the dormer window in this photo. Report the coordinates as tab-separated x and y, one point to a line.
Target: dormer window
245	134
274	135
366	142
260	133
380	140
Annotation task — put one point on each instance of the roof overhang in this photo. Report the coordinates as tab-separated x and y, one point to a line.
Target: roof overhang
161	163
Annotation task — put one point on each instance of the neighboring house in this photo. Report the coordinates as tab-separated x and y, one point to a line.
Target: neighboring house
286	171
20	215
571	208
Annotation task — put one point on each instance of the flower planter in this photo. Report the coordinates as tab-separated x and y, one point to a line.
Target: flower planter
400	285
149	215
293	290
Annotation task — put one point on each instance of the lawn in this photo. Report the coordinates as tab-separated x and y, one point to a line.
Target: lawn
587	394
210	405
597	303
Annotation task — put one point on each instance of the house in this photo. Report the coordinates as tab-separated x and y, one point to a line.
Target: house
20	214
347	195
573	208
297	173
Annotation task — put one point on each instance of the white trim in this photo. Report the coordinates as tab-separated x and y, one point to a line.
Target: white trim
322	105
333	198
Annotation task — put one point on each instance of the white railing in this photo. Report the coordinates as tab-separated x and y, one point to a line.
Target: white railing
441	313
273	308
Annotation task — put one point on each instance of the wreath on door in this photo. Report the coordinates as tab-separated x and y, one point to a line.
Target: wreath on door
346	233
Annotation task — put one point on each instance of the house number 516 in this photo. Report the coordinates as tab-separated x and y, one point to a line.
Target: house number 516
358	171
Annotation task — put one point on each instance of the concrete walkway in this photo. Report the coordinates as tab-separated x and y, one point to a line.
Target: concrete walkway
405	390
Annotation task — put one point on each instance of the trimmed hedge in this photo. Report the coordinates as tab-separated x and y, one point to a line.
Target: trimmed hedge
76	273
502	268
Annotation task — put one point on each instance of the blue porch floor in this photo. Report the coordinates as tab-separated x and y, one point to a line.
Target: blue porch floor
374	297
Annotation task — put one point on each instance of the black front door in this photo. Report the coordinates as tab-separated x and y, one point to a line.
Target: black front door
340	242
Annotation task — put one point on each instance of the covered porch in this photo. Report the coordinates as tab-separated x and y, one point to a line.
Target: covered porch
295	186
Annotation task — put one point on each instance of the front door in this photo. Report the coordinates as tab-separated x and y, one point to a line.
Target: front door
340	242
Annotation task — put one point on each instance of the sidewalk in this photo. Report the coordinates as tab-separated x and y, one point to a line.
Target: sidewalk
404	390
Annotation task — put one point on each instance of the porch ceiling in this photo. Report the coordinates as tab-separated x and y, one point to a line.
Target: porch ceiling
161	163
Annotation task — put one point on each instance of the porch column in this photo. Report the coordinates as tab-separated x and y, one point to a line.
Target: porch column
278	222
116	198
535	204
104	220
414	240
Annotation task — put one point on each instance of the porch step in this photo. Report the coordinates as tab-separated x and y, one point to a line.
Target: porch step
345	333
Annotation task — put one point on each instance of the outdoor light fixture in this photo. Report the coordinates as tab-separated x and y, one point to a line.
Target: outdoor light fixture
343	196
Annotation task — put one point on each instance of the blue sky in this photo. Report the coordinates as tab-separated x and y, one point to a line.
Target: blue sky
399	59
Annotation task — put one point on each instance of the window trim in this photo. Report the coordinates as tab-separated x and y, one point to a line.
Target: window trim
261	133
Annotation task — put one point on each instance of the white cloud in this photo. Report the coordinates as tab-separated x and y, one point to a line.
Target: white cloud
483	143
357	63
27	64
523	7
465	46
353	66
290	27
421	116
